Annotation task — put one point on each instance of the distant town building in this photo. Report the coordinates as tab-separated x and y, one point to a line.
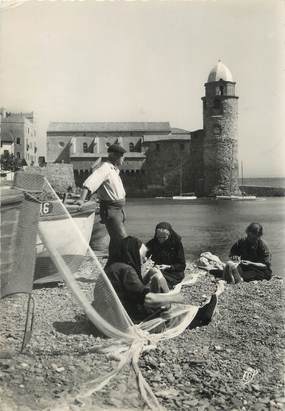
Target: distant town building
18	136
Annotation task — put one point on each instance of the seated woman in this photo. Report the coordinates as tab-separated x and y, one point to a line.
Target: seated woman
166	250
143	296
251	258
138	298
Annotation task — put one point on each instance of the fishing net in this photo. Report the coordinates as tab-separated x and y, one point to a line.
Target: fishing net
62	250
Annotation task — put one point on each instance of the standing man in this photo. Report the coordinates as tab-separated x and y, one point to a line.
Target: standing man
111	194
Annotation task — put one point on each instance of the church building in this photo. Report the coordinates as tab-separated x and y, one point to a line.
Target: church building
160	159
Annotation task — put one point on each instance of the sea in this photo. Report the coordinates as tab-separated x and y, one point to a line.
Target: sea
213	225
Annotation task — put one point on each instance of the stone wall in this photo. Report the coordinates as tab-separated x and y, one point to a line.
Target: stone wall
163	165
58	149
195	169
220	146
221	167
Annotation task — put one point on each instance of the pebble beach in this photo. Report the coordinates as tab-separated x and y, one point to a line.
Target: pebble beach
234	363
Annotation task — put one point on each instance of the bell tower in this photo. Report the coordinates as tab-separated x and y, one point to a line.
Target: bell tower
220	119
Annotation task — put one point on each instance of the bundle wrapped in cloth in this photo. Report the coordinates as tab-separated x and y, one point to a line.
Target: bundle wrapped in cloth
208	261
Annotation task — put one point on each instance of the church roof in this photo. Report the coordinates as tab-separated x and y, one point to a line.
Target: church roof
220	72
175	130
109	127
168	137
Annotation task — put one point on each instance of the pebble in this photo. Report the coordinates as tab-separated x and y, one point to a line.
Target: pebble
256	387
170	378
157	378
56	368
195	379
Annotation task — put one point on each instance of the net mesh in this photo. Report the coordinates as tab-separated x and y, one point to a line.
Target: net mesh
18	230
63	244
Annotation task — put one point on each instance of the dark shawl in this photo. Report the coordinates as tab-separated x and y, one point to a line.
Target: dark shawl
130	253
170	252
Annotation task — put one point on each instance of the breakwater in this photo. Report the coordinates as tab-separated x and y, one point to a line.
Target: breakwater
263	191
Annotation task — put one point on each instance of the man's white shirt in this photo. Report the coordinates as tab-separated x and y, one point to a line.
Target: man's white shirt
106	180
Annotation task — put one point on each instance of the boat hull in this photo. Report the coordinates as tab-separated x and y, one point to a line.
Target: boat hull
184	198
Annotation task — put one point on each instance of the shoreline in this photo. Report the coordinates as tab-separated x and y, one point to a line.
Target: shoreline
202	369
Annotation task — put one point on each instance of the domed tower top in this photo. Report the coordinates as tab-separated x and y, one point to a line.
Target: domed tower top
220	72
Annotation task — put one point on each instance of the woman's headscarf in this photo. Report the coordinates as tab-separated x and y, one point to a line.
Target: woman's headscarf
166	226
130	253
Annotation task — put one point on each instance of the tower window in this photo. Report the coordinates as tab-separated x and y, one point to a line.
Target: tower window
182	146
217	129
18	140
217	104
85	148
222	90
157	147
131	147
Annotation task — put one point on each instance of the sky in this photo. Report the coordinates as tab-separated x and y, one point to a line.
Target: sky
88	60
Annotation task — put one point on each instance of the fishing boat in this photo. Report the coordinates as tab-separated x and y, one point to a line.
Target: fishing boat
57	225
185	196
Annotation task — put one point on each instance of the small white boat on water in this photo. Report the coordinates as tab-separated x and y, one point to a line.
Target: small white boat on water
58	226
184	197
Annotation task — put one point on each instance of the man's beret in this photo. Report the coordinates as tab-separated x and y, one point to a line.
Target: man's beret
116	148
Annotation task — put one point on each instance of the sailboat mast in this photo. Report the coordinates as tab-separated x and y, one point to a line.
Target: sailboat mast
241	173
180	179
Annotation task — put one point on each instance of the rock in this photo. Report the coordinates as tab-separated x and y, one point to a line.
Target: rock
78	402
170	378
192	403
56	368
237	403
171	393
152	363
156	378
256	387
195	379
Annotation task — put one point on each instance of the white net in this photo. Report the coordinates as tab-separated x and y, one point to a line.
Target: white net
63	246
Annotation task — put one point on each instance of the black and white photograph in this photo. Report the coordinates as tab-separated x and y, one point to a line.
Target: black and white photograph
142	195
